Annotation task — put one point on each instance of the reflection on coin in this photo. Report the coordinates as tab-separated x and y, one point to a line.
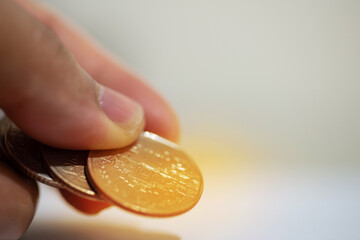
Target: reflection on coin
69	167
151	177
25	154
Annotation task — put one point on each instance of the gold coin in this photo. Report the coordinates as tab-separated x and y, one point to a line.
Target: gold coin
68	166
151	177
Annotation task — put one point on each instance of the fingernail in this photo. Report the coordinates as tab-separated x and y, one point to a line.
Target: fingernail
119	108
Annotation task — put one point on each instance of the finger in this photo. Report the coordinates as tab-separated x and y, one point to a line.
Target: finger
50	97
18	202
159	116
82	204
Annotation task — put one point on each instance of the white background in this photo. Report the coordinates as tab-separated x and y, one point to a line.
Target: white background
268	96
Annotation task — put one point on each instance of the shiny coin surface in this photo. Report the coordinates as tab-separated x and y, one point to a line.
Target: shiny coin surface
26	156
69	167
151	177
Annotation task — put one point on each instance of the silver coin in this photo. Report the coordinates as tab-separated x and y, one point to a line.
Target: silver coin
68	166
26	156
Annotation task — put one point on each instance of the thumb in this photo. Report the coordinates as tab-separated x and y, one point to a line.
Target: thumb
48	95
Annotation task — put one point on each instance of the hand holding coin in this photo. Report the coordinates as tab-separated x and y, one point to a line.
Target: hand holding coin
60	89
152	176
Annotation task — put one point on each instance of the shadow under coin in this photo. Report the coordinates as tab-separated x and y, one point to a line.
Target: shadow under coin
61	231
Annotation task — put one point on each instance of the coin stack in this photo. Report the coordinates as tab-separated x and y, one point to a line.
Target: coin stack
152	176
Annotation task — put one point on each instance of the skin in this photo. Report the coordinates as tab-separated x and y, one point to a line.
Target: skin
63	90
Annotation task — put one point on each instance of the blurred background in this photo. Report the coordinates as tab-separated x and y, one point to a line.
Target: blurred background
267	93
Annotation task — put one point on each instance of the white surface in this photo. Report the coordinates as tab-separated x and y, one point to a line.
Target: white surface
268	96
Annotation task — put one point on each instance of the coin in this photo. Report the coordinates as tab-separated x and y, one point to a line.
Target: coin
68	166
152	177
25	154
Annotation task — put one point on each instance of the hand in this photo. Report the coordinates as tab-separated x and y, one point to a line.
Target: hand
62	90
